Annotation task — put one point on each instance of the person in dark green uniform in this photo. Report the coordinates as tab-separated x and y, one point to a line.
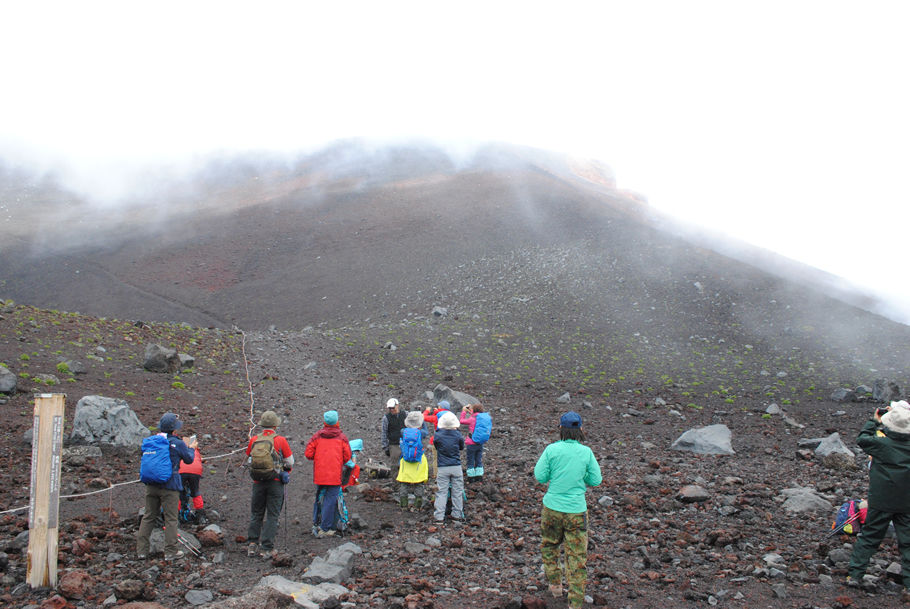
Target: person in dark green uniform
889	491
569	467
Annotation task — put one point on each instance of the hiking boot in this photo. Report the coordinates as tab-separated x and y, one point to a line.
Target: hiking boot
403	502
141	556
175	556
252	549
329	533
418	503
852	583
556	590
268	553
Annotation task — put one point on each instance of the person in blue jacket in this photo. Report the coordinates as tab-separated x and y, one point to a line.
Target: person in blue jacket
165	497
569	467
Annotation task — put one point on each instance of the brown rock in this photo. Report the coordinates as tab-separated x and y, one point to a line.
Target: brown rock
129	589
75	584
142	605
81	546
210	538
55	602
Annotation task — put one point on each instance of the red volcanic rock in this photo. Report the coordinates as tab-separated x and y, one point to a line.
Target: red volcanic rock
81	547
75	584
55	602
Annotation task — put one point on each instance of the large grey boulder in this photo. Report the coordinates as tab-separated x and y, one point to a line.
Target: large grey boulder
161	359
885	391
336	567
710	440
304	595
102	420
457	399
803	499
7	380
831	445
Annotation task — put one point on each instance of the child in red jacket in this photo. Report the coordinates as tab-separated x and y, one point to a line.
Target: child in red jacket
329	451
191	475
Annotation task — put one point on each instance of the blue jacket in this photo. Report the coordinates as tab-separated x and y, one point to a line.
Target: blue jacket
449	443
179	450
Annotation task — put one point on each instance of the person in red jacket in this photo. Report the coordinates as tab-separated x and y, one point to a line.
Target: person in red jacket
431	417
192	476
268	495
329	450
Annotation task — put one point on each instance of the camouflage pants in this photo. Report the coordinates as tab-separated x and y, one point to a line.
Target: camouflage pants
571	532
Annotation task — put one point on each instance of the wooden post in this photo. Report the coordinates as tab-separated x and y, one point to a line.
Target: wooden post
44	507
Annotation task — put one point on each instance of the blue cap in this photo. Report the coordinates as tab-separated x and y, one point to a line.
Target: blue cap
570	419
356	445
330	417
445	404
169	422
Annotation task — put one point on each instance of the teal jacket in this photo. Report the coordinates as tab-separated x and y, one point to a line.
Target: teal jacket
570	467
889	474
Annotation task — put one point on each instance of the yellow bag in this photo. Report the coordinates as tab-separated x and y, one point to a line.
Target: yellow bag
413	473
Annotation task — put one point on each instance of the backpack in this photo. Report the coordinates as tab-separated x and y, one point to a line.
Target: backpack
411	445
849	518
264	458
155	466
483	426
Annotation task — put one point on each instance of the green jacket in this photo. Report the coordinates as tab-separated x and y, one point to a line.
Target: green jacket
569	467
889	473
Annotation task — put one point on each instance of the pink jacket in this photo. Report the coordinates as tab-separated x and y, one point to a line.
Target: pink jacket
464	419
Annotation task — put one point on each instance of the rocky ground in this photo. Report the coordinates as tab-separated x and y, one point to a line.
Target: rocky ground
737	547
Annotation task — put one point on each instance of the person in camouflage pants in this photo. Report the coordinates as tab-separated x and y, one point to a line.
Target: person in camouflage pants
569	468
570	531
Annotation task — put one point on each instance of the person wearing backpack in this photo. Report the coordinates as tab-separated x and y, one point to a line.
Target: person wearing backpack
392	424
329	450
161	455
889	492
449	444
568	467
477	437
270	462
413	469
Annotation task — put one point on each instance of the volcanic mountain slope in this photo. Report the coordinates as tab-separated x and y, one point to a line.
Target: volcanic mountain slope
551	284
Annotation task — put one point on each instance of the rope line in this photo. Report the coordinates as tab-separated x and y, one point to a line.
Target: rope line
249	383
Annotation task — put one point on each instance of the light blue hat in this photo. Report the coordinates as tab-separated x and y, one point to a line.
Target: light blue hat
330	417
356	445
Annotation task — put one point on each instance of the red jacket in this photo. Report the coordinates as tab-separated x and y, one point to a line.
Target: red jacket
432	417
329	450
193	468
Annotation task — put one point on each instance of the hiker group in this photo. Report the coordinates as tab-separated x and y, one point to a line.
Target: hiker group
421	445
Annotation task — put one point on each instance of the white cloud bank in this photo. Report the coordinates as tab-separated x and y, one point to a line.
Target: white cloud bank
781	123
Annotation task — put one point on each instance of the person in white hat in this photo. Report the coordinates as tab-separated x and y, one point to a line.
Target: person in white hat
889	491
392	424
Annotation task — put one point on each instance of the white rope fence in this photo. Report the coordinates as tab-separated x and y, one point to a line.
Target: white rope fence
246	367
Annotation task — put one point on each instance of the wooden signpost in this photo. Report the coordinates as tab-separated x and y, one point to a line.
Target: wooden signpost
44	506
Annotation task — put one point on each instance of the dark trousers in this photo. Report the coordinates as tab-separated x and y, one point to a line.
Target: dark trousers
474	457
874	530
158	500
268	497
328	507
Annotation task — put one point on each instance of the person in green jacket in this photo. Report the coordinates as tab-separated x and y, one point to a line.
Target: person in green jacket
569	467
889	491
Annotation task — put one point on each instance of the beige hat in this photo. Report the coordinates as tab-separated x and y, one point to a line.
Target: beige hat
900	404
447	420
897	420
414	419
269	419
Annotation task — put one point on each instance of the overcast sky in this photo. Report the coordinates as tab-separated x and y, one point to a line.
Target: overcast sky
786	124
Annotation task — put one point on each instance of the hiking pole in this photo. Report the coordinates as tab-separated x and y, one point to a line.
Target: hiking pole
189	546
285	505
841	527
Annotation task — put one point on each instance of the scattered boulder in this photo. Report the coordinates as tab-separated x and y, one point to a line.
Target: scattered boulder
305	595
186	361
842	394
692	493
457	399
710	440
336	567
440	311
161	359
885	391
74	366
198	597
803	499
832	444
75	584
7	380
101	420
564	398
